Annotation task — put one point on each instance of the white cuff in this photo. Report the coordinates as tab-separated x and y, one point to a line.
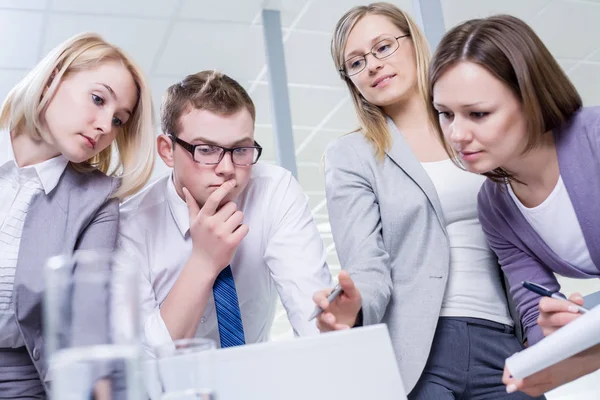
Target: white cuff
156	333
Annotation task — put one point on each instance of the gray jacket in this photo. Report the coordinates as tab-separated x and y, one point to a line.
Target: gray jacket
389	233
77	214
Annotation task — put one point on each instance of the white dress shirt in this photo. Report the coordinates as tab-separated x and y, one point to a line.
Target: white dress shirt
282	254
18	186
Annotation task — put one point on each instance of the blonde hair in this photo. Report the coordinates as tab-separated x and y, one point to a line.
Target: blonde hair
511	51
371	118
134	143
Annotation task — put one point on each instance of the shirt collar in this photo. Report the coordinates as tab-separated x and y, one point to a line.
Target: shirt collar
178	207
49	171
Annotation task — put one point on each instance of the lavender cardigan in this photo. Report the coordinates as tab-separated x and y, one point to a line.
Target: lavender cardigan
522	254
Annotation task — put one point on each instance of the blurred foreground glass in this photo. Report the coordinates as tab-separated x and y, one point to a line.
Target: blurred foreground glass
183	369
189	394
91	327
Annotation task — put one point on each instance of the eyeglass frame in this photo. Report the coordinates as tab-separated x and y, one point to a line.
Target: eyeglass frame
364	56
191	148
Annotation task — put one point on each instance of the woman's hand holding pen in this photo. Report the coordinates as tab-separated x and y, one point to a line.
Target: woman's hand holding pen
556	313
343	311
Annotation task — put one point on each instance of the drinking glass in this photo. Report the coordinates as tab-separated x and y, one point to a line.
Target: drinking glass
91	326
184	369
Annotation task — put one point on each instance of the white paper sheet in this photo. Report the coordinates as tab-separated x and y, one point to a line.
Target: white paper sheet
571	339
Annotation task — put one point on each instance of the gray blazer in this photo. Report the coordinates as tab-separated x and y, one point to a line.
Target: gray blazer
390	234
77	214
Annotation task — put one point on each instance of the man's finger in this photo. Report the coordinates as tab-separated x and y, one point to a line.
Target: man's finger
234	221
216	197
225	212
240	233
192	204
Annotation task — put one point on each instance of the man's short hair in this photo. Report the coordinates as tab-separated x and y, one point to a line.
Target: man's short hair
206	90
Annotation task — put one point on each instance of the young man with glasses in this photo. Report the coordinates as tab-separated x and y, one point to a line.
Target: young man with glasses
218	238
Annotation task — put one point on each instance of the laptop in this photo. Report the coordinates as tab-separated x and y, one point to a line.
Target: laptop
355	364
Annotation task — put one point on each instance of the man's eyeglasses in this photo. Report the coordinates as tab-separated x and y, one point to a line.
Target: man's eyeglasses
210	154
382	49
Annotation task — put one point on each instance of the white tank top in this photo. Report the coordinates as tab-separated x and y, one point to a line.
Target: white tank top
475	286
556	214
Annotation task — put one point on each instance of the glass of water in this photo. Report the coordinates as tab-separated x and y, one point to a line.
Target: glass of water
184	369
189	394
91	327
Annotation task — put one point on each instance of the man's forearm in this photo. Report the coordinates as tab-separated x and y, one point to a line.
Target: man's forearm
184	306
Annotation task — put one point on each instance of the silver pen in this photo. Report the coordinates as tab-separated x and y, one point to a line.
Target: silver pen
544	291
334	293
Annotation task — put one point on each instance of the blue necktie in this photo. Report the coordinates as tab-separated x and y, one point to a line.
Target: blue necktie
229	317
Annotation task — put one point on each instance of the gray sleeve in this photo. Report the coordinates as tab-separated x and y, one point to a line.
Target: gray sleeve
356	227
100	234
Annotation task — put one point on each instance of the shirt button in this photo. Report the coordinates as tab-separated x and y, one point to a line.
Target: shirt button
203	320
36	354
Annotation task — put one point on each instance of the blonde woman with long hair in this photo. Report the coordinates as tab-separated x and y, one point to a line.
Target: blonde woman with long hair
76	137
404	222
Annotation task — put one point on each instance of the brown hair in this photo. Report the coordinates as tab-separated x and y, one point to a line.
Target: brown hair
372	119
206	90
509	49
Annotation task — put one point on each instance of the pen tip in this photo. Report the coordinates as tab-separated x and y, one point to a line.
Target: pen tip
314	315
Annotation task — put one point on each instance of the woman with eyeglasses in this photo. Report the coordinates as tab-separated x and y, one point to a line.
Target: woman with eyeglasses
404	222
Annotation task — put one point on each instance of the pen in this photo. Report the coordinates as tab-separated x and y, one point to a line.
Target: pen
543	291
334	293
